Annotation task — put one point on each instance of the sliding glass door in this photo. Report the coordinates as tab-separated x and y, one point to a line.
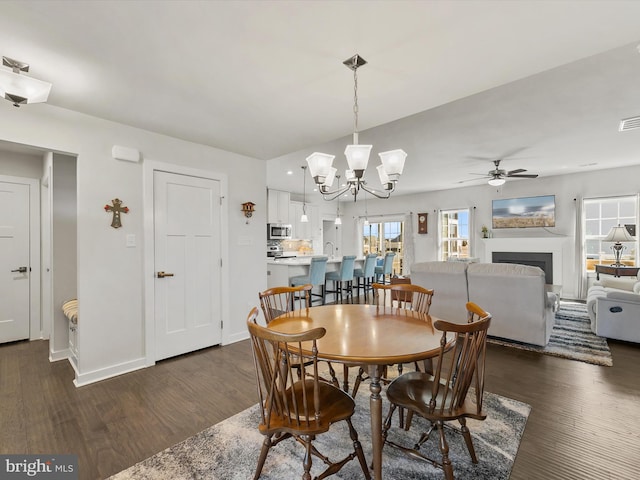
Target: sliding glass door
383	237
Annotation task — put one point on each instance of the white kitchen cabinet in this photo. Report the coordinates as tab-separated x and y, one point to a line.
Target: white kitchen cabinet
311	230
278	207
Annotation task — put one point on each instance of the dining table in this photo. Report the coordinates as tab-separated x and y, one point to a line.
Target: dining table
368	335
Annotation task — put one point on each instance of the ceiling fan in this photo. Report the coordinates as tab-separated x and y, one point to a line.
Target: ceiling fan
497	175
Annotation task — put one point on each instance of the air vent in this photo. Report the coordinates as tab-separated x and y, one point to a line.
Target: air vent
629	124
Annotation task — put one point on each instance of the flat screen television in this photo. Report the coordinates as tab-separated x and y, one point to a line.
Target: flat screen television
524	212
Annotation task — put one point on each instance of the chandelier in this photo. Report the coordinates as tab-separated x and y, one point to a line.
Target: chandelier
323	173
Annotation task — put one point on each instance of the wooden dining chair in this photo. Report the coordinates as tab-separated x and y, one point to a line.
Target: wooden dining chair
277	301
396	296
454	392
298	408
404	296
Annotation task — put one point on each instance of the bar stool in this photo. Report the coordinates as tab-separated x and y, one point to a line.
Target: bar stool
386	268
342	279
316	276
365	274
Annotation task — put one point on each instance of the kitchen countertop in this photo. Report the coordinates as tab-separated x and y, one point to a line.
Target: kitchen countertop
299	260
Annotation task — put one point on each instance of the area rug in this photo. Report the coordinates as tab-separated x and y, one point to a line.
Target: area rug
229	450
571	337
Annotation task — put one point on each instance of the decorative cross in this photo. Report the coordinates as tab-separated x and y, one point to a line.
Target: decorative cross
116	209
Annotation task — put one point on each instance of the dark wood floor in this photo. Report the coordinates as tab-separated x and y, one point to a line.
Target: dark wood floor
585	422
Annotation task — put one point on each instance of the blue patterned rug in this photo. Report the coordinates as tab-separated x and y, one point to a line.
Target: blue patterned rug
229	450
571	337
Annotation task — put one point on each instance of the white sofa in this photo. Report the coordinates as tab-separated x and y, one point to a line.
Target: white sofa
515	295
614	308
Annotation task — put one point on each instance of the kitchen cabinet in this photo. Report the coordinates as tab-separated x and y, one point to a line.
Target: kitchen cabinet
278	207
311	230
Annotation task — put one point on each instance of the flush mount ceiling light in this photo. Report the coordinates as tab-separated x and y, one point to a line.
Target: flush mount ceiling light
323	173
21	89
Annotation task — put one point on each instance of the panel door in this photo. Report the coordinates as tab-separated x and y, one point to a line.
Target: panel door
187	216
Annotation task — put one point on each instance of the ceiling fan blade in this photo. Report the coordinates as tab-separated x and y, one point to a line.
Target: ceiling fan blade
523	176
471	179
517	170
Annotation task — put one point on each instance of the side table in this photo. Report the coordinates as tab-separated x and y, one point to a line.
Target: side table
617	271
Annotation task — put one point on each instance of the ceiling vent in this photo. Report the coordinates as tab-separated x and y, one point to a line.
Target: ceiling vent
629	124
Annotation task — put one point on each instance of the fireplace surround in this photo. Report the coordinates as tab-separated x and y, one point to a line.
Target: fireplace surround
554	245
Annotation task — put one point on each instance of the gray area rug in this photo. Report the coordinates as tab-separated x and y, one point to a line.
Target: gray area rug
571	337
229	450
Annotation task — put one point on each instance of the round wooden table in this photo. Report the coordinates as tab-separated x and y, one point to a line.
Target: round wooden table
368	335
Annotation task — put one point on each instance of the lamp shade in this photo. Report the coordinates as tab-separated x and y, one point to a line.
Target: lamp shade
393	162
618	234
331	176
319	165
384	178
22	89
357	156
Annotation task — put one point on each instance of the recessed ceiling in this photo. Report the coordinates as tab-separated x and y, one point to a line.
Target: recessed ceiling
265	78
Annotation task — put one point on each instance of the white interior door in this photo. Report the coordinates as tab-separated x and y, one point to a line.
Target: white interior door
187	260
14	262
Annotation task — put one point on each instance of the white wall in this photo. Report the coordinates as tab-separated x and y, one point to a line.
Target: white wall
620	181
16	164
64	234
110	280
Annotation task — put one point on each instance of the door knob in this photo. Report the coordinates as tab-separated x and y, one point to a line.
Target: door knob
20	270
164	274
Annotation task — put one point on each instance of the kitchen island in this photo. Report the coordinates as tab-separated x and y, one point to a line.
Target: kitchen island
279	270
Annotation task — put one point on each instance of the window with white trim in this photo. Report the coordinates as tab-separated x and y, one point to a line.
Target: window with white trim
454	234
600	215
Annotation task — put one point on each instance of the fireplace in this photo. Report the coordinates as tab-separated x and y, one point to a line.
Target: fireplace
535	259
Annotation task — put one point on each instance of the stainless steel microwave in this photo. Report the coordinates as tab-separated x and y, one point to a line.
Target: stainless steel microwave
279	231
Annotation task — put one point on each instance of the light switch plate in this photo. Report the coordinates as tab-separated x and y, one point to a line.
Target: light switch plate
131	240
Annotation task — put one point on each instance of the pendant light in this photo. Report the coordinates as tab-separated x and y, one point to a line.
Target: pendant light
338	219
366	213
304	218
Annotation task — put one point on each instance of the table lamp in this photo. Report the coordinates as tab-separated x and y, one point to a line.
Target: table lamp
618	234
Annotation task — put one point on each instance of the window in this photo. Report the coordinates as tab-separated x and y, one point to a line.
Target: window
600	214
385	237
454	235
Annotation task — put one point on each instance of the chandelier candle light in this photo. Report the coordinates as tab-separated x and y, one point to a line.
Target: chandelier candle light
323	173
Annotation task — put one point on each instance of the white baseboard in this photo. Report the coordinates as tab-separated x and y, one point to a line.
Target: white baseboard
59	355
238	337
87	378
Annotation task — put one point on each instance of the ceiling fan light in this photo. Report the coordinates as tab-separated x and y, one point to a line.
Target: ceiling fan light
393	162
319	165
496	181
357	156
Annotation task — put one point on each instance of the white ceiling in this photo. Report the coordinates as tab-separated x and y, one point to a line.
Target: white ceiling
265	78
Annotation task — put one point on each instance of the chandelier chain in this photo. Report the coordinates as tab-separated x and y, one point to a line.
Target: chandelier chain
355	100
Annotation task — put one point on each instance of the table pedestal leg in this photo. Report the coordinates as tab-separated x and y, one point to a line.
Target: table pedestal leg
375	405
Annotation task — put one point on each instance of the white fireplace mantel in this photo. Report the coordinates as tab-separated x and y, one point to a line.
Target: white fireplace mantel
553	245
